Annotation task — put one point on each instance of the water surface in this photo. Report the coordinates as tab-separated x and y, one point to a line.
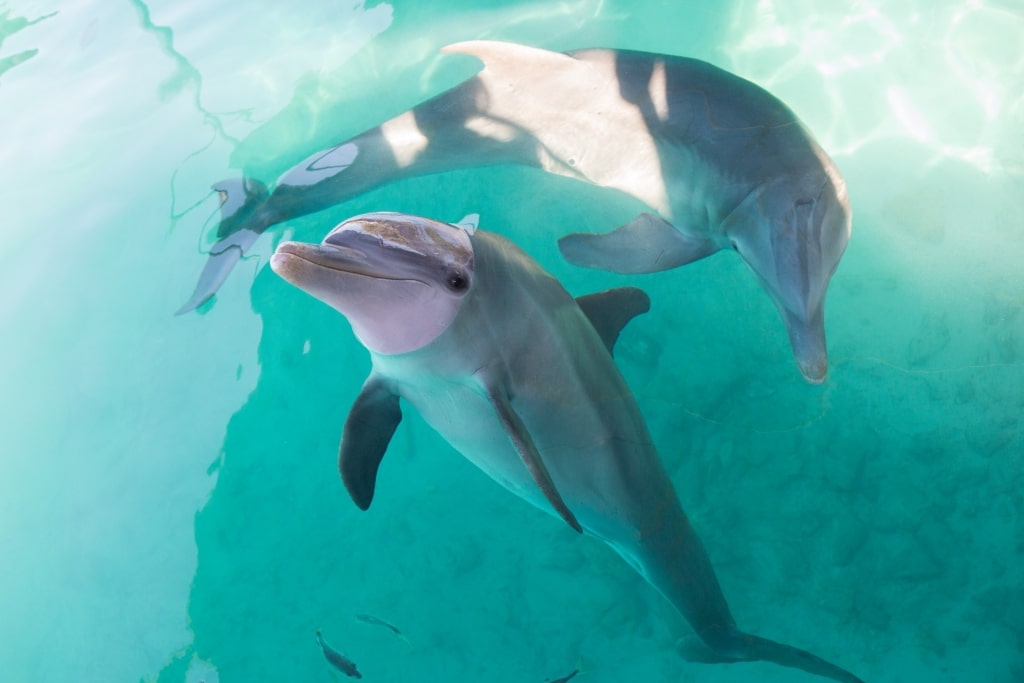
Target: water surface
169	504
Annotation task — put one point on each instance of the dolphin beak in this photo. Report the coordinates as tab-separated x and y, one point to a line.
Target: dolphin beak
297	261
329	256
224	255
807	337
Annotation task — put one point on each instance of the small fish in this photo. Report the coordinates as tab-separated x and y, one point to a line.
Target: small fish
370	619
338	660
565	679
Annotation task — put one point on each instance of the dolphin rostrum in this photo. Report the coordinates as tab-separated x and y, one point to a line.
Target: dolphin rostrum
722	163
518	377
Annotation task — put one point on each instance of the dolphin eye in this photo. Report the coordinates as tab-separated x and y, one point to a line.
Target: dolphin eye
457	281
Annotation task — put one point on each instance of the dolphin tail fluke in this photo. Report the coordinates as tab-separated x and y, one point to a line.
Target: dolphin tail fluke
786	655
238	230
744	647
239	199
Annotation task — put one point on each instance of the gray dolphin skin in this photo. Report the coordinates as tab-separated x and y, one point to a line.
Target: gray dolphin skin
722	164
336	659
518	377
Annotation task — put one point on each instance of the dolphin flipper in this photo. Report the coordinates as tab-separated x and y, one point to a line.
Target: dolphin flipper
529	454
646	244
610	310
368	431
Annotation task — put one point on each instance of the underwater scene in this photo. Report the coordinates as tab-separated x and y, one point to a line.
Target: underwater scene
796	225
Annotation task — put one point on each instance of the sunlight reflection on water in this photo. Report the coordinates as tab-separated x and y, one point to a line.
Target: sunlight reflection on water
965	103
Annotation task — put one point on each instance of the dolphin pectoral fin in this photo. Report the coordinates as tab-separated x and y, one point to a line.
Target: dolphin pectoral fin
610	310
530	455
368	431
647	244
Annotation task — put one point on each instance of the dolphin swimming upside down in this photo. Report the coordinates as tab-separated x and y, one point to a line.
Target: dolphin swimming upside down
722	164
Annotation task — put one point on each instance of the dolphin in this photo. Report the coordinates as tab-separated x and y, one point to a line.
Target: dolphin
722	164
336	659
518	377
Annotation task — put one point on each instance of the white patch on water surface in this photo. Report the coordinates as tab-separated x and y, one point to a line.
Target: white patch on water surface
305	348
946	75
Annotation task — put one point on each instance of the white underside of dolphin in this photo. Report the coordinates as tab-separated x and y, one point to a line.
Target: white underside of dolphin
722	164
519	378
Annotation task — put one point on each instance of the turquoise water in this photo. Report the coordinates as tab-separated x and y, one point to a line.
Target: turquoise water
170	508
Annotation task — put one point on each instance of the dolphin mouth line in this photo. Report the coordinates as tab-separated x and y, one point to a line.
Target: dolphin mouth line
343	260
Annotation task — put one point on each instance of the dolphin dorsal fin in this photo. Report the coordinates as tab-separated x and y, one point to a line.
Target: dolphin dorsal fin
470	222
610	310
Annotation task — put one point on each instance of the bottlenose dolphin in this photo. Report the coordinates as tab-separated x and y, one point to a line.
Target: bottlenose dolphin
518	376
722	163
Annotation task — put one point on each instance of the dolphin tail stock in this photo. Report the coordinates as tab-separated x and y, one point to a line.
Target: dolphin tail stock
675	562
737	646
237	232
